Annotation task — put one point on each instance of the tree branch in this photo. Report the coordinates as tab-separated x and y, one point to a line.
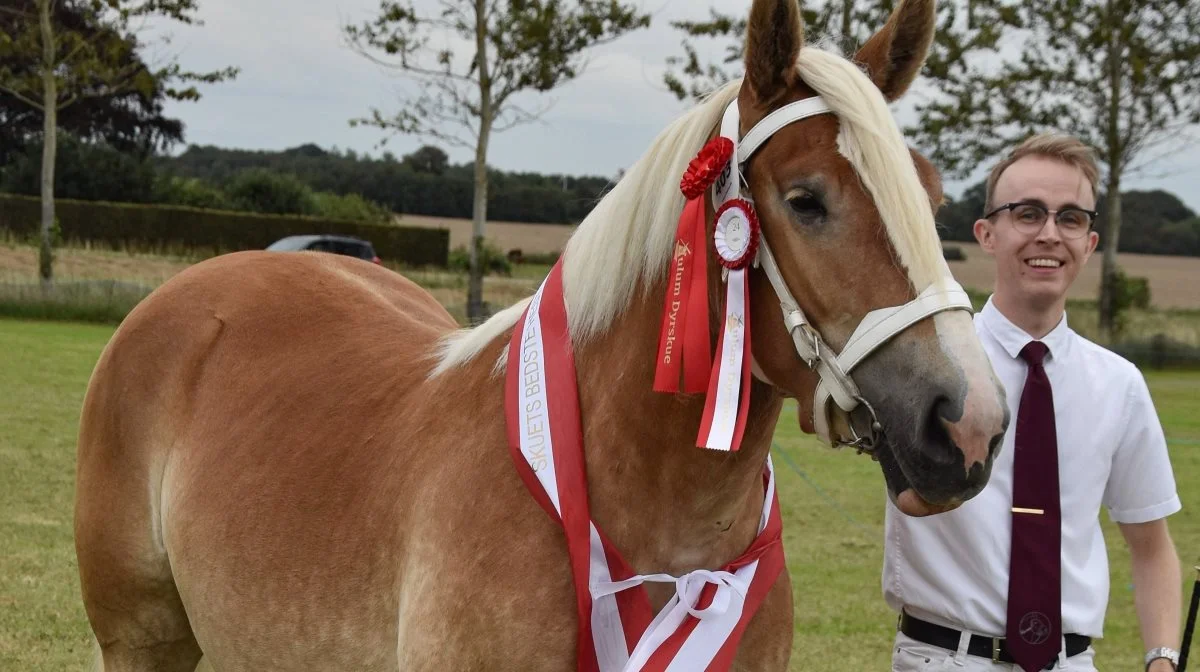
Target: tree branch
14	12
519	116
405	67
21	97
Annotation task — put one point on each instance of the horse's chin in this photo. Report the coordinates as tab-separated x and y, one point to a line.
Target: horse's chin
907	501
911	504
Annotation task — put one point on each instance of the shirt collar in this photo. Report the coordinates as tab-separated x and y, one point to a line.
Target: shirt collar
1013	338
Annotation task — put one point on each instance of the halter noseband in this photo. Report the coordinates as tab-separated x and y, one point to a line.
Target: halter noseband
876	328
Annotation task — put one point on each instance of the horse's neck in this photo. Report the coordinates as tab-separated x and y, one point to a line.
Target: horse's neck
666	504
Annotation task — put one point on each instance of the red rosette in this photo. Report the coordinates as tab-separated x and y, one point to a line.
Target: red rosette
706	167
736	234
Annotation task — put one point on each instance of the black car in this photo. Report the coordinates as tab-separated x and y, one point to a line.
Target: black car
347	245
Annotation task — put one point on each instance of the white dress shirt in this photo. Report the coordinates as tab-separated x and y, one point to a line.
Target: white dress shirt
952	569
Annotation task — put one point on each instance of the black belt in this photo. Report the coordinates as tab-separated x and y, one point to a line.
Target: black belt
984	647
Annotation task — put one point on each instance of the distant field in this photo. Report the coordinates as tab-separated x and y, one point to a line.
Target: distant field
1173	280
529	238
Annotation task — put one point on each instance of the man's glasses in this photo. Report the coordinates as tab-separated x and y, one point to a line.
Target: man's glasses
1029	218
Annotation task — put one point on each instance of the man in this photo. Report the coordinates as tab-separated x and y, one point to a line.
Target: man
1018	578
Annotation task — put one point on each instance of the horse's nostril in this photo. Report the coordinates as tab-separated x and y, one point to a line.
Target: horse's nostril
994	445
935	422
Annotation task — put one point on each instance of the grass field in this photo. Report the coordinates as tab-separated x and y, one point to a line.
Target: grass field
832	507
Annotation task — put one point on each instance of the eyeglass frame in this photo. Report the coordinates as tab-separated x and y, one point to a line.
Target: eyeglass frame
1092	214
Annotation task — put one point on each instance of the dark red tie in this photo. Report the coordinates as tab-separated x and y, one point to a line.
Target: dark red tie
1034	628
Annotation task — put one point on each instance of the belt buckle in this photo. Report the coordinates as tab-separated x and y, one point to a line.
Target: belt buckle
996	649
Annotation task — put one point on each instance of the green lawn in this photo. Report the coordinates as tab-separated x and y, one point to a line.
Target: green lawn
832	505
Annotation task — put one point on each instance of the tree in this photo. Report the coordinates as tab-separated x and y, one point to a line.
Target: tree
428	159
1122	75
849	22
56	53
961	31
129	121
516	46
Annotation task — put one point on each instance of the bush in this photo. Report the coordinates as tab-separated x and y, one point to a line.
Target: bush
494	261
1159	352
1128	292
192	193
1131	292
351	206
540	258
124	226
264	191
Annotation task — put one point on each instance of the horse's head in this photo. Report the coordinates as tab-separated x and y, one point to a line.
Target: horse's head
888	357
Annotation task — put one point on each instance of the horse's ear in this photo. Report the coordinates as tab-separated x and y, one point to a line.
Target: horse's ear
774	35
894	56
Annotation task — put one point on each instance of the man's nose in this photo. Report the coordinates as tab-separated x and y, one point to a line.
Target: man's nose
1049	231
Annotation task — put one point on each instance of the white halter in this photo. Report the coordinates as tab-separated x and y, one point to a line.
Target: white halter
877	327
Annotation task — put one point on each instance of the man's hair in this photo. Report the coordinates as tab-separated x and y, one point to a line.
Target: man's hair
1065	148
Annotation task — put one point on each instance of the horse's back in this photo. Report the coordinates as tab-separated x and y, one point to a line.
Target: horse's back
251	404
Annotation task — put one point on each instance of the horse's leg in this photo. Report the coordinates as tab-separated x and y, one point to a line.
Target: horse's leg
767	643
128	590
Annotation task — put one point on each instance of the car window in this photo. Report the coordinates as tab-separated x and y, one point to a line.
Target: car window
287	245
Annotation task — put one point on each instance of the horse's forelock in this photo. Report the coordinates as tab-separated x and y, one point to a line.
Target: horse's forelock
873	144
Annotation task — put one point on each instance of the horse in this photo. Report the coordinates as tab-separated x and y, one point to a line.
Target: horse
299	461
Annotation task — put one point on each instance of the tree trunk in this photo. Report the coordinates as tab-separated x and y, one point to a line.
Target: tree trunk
49	143
847	15
1115	159
1108	266
475	312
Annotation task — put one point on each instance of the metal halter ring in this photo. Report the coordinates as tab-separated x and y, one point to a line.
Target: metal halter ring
816	345
863	444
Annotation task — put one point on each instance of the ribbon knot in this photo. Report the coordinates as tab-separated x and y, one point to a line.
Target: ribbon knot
688	589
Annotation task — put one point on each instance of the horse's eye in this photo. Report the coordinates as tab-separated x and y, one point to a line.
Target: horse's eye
807	206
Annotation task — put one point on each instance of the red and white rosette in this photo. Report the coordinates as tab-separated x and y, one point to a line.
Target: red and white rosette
736	234
736	238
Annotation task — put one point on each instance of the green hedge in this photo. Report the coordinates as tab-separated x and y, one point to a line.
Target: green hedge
135	226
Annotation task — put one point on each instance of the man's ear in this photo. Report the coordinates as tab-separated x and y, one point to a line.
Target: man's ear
983	234
1093	241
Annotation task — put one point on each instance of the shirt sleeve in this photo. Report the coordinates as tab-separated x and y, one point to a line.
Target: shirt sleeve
1141	484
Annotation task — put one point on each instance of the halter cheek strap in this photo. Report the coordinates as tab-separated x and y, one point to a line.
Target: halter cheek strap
877	327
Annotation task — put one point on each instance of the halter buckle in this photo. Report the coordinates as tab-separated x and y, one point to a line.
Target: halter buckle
816	345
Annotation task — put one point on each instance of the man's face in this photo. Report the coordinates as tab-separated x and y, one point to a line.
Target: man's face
1036	261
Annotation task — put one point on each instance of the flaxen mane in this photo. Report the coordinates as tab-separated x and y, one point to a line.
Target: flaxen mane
628	237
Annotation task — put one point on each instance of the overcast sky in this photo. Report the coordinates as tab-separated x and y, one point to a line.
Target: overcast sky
300	84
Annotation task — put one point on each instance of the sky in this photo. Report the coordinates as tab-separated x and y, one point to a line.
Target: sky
300	83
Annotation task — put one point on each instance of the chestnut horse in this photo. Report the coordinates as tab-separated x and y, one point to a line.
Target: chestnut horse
295	461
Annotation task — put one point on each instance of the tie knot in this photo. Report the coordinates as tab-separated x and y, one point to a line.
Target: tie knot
1034	352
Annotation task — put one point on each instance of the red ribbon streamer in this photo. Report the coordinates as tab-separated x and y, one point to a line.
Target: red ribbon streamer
684	333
